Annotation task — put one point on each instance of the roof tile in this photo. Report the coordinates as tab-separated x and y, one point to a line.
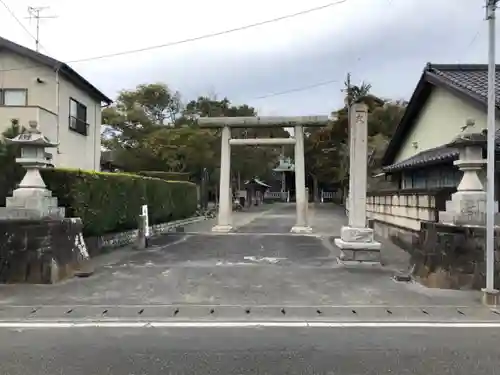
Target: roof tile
473	78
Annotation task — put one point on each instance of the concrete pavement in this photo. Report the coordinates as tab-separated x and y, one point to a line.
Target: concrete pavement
260	265
304	351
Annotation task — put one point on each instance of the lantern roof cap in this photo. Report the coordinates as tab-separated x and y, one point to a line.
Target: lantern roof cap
31	137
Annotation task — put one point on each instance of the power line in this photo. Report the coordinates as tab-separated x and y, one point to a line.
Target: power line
302	88
211	35
197	38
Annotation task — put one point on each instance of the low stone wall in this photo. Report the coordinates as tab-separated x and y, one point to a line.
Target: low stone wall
453	257
41	251
443	256
98	245
398	214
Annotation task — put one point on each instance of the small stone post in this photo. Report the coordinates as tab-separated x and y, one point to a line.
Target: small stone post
141	241
143	228
356	241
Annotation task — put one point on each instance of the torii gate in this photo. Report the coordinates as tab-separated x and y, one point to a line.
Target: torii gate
224	223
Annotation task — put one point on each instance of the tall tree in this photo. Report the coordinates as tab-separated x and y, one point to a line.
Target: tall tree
327	149
141	111
206	106
135	115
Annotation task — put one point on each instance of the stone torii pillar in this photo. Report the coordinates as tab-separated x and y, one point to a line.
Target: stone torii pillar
356	241
225	199
301	198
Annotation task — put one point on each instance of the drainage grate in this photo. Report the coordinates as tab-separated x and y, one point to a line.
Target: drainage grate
262	313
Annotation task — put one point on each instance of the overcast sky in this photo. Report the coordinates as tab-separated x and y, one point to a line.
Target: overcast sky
384	42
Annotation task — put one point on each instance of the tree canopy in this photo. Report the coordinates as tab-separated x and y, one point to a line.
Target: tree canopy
327	149
152	128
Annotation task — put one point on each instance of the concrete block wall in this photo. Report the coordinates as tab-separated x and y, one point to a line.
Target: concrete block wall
398	214
402	210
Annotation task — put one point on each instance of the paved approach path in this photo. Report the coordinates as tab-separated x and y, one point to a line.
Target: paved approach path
260	264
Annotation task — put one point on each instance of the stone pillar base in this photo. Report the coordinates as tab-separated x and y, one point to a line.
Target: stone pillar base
33	204
358	245
491	297
301	229
222	228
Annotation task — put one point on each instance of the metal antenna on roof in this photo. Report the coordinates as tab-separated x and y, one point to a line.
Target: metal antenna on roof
34	13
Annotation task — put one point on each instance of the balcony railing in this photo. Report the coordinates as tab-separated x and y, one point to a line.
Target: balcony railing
78	125
47	120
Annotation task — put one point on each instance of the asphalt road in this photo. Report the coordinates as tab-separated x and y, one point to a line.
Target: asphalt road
343	351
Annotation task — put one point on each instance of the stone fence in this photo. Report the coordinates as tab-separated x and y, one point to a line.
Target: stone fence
397	214
442	255
453	256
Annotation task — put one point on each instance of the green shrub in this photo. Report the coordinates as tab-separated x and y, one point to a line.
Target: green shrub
111	202
169	176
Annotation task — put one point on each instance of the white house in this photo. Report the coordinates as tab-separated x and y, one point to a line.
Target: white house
66	106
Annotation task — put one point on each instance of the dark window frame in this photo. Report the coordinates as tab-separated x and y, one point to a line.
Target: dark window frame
2	97
79	122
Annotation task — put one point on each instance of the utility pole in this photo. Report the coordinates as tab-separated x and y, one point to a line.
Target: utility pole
350	148
34	13
348	89
490	293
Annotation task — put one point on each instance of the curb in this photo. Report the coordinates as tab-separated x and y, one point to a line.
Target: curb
114	241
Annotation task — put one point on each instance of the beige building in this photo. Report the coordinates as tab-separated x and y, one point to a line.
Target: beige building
66	106
445	98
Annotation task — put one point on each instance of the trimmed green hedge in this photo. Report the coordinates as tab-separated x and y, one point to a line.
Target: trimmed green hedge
111	202
169	176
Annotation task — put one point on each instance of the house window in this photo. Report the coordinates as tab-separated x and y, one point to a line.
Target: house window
14	97
407	180
78	117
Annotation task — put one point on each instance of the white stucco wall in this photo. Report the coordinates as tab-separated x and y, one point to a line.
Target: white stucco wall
50	107
439	122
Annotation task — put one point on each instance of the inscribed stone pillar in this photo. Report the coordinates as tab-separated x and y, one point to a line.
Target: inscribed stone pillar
356	240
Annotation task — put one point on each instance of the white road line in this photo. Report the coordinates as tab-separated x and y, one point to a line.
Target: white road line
162	324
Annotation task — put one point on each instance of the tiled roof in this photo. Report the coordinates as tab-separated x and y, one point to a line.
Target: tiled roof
473	78
436	155
257	182
432	156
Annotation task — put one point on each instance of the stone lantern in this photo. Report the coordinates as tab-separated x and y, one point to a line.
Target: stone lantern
32	199
468	205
